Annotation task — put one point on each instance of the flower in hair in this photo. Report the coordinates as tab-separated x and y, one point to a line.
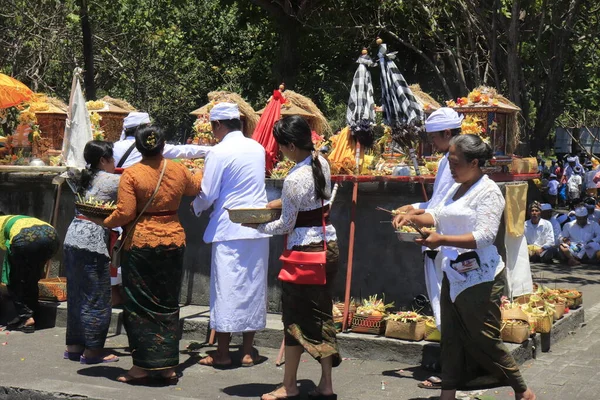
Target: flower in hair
151	140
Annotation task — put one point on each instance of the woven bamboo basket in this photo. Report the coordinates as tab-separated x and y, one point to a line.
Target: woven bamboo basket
94	211
514	313
542	323
574	302
372	325
414	330
515	333
559	310
351	312
54	289
253	215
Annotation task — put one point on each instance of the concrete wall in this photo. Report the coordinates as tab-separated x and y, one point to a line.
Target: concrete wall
382	264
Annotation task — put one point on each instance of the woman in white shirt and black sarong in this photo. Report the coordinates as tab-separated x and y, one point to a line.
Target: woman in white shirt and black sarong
467	222
307	309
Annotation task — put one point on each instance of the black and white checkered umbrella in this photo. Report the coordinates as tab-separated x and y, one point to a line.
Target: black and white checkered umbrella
399	104
361	105
360	113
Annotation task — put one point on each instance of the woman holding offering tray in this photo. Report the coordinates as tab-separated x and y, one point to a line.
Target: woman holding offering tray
307	308
467	222
87	261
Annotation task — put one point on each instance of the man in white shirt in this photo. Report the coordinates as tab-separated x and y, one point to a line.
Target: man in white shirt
441	126
552	189
574	185
234	177
593	212
580	239
126	154
539	235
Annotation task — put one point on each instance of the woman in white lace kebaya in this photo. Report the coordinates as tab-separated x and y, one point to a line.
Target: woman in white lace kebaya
307	309
87	260
467	222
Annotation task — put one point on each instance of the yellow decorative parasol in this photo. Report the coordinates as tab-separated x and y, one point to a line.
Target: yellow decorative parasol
12	92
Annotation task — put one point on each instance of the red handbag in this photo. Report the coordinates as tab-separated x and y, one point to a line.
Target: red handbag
304	267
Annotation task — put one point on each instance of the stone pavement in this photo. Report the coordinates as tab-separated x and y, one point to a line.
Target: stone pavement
571	370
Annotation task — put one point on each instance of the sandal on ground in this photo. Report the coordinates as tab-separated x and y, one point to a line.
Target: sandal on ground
209	361
97	360
256	359
130	380
316	395
21	327
72	355
277	397
169	380
434	383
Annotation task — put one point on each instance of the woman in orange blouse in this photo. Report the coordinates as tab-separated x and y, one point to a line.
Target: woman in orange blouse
153	260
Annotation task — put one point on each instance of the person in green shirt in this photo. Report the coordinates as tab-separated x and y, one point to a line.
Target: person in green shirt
29	244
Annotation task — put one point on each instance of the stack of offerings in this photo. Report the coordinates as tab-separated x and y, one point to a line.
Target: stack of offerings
370	316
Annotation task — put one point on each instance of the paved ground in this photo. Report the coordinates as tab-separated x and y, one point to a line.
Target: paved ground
34	363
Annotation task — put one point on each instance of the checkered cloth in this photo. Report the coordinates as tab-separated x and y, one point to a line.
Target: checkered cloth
399	104
361	106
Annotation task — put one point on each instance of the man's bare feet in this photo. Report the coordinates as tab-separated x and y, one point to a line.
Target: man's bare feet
216	361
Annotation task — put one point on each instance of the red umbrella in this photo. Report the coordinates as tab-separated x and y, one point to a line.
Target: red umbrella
263	133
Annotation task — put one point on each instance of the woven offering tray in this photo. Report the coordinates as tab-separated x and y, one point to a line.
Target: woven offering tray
253	215
94	211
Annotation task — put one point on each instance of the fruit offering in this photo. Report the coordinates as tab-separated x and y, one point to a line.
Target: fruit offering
373	307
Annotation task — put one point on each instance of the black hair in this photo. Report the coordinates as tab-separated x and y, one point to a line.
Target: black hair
232	124
453	132
294	129
131	131
93	151
150	140
473	148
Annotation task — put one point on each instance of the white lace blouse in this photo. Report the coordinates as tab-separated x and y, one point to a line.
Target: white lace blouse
479	211
299	194
87	235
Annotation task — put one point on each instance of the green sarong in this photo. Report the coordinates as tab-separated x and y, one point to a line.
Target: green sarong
152	282
6	263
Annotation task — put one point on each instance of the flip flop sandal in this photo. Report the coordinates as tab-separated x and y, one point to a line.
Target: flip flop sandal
259	360
215	365
436	383
96	360
72	355
130	380
272	394
314	395
169	380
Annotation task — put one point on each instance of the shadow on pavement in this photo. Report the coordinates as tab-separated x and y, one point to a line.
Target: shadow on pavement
256	390
103	371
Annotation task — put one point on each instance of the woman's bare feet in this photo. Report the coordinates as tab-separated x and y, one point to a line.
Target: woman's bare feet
215	360
281	393
133	374
526	395
96	353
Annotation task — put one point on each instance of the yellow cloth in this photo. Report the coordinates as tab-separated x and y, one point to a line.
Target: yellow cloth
17	227
342	147
514	212
533	249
